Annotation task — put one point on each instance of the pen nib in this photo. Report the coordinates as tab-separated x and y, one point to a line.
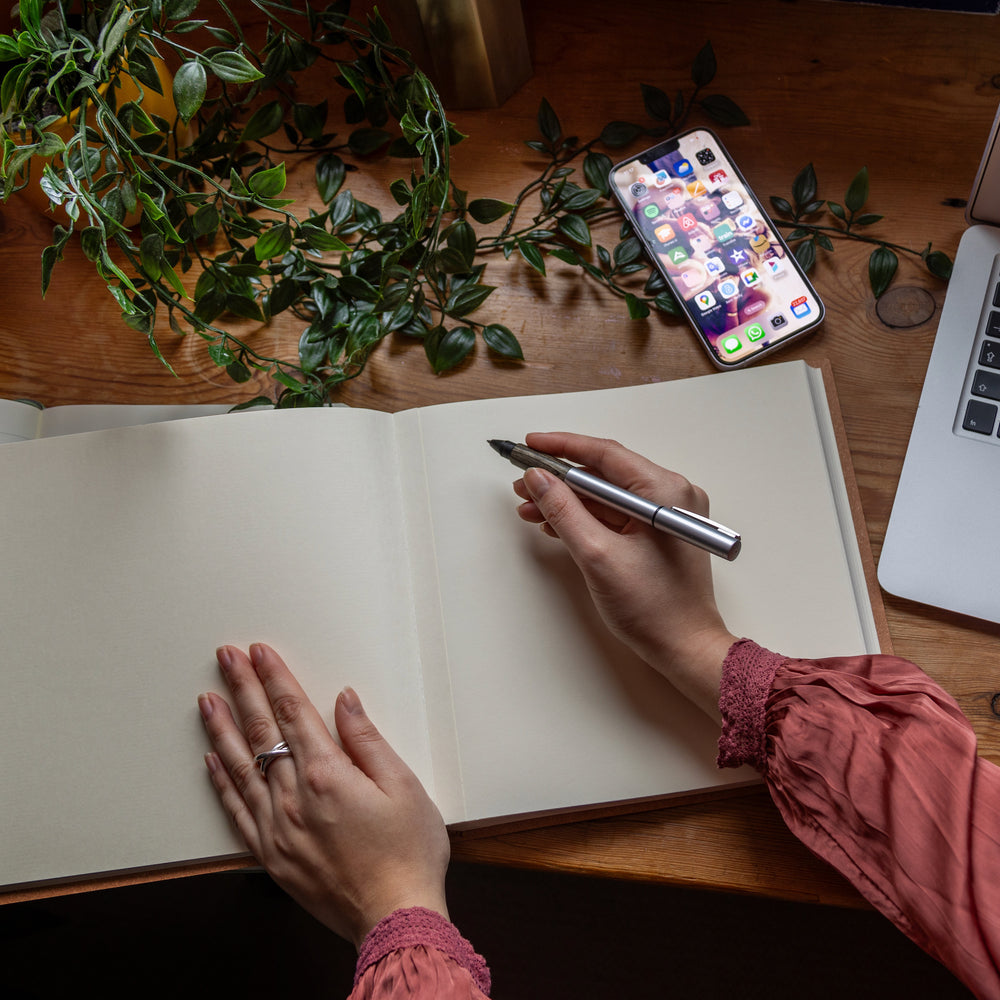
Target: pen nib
503	448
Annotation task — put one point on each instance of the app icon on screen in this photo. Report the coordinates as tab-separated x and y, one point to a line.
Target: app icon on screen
638	189
714	265
744	221
731	344
750	277
778	321
675	197
678	255
705	156
661	178
705	300
665	233
708	210
800	307
760	244
729	288
775	266
723	232
683	168
696	189
754	332
732	200
651	211
687	221
717	177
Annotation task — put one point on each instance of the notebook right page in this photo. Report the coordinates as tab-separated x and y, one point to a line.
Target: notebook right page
551	711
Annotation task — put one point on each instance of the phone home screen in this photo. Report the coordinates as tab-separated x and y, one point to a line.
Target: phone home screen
733	276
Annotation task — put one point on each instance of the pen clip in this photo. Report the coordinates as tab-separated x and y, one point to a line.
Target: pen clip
709	522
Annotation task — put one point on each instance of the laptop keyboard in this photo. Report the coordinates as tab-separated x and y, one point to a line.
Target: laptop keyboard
980	404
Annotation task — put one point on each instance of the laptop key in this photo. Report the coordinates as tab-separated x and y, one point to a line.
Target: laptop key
986	384
980	417
993	324
989	354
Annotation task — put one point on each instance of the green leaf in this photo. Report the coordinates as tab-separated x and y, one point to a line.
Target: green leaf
724	110
264	121
486	210
939	264
531	253
658	105
365	141
617	134
274	242
467	299
151	255
461	237
330	172
805	254
804	186
268	183
190	85
882	266
566	255
666	302
837	210
867	219
234	68
596	168
576	229
580	200
637	309
781	205
548	123
500	339
628	251
451	348
857	192
704	67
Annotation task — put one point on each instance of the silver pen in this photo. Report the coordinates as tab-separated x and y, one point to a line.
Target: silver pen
693	528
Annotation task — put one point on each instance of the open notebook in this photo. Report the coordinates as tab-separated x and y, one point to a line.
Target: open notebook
938	547
384	551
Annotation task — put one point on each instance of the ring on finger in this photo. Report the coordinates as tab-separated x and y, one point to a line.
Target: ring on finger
263	759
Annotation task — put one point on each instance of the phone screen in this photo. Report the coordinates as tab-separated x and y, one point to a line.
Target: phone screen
741	288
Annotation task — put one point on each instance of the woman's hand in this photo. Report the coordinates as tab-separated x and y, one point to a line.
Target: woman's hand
350	834
653	591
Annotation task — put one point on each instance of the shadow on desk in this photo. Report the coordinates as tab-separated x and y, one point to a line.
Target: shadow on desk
544	935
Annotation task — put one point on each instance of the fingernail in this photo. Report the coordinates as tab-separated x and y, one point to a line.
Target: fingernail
256	654
538	482
205	706
224	656
351	701
211	762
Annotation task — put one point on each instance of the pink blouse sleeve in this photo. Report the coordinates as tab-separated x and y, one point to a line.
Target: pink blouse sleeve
419	955
874	768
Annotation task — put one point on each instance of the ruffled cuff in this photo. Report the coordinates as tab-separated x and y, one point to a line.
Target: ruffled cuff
420	926
747	674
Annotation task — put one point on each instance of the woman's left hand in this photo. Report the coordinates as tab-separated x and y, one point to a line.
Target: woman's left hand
350	834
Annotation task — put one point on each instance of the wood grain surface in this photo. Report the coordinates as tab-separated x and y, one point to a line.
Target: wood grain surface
910	94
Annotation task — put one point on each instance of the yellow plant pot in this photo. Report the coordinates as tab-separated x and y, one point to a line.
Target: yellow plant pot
152	103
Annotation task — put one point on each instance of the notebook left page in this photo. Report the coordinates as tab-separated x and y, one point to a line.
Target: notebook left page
129	556
19	421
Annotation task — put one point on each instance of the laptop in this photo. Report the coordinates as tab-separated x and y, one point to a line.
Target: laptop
939	548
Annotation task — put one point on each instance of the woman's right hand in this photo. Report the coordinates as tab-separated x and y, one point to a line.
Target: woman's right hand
653	591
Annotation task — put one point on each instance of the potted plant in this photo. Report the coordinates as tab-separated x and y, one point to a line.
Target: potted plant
215	238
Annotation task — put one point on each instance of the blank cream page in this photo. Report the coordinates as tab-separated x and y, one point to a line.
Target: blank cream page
551	711
129	555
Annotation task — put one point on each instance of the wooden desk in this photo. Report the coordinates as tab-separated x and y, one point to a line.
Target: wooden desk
910	94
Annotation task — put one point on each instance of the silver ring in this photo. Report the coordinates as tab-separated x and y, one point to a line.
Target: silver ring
263	759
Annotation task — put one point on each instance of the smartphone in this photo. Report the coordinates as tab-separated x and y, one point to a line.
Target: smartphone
740	287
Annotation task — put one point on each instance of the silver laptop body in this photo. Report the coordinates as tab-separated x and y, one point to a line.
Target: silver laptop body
938	547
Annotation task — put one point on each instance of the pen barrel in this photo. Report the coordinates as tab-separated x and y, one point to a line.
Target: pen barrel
682	524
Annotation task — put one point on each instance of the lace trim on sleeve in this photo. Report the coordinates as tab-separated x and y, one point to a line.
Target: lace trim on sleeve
420	926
